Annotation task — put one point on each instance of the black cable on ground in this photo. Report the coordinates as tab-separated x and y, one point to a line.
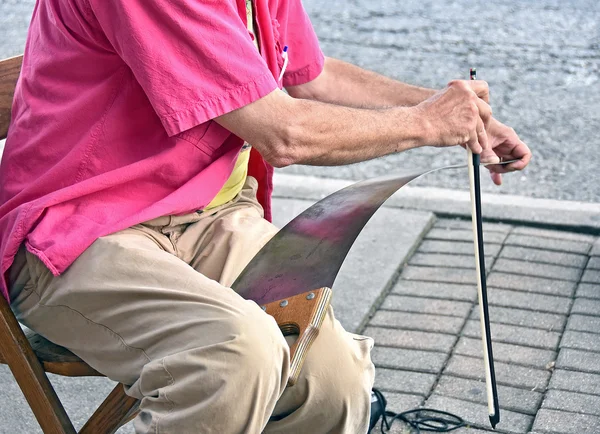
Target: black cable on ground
420	419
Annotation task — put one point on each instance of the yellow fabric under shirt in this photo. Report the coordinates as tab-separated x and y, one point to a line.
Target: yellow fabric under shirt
236	180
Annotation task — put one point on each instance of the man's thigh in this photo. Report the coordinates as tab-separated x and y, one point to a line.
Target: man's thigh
126	301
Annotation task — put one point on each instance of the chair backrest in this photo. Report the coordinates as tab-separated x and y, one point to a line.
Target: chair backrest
9	73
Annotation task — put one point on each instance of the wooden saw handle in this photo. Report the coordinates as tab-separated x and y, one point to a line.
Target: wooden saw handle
303	315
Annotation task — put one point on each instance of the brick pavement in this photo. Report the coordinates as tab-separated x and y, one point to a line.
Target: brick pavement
544	291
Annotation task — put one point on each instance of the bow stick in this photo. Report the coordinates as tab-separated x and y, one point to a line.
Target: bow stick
486	336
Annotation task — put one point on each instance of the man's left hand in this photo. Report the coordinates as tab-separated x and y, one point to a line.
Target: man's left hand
505	145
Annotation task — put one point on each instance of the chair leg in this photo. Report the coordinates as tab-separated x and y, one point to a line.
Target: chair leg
116	410
30	376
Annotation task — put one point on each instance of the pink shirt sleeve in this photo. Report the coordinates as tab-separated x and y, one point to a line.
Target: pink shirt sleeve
305	56
194	59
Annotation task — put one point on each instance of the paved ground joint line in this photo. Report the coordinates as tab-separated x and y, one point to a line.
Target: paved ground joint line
576	229
587	314
542	262
527	327
570	391
512	363
503	341
583	350
410	311
424	279
508	306
408	328
507	408
499	382
516	273
404	347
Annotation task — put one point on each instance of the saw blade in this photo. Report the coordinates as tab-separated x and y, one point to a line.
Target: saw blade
308	252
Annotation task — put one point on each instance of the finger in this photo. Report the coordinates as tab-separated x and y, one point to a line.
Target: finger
485	111
487	155
481	88
473	143
521	153
496	178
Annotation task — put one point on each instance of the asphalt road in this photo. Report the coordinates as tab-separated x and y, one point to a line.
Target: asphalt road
541	59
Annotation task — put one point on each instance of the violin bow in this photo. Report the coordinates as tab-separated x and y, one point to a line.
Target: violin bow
484	315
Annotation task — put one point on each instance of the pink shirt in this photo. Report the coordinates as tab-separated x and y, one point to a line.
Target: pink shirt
111	121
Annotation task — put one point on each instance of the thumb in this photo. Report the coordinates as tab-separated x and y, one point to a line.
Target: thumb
489	156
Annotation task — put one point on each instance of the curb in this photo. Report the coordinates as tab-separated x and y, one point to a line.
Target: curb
574	216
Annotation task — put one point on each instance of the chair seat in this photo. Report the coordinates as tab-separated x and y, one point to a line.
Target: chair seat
57	359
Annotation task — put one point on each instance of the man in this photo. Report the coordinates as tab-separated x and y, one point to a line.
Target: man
131	199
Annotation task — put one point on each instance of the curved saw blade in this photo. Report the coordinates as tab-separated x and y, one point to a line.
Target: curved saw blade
309	251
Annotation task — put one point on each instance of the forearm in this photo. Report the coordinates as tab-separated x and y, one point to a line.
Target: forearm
295	131
351	134
345	84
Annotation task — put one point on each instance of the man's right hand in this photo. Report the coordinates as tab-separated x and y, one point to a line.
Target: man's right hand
457	115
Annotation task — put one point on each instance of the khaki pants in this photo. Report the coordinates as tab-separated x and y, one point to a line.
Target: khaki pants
150	307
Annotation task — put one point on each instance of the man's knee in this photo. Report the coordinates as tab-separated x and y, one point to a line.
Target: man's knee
349	368
257	342
350	378
334	387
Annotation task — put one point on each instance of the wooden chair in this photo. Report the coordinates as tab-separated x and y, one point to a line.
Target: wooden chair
30	356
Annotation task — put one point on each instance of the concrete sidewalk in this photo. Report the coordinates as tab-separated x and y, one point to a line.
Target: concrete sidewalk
409	281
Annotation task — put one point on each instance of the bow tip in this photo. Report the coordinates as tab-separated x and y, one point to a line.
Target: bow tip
494	419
